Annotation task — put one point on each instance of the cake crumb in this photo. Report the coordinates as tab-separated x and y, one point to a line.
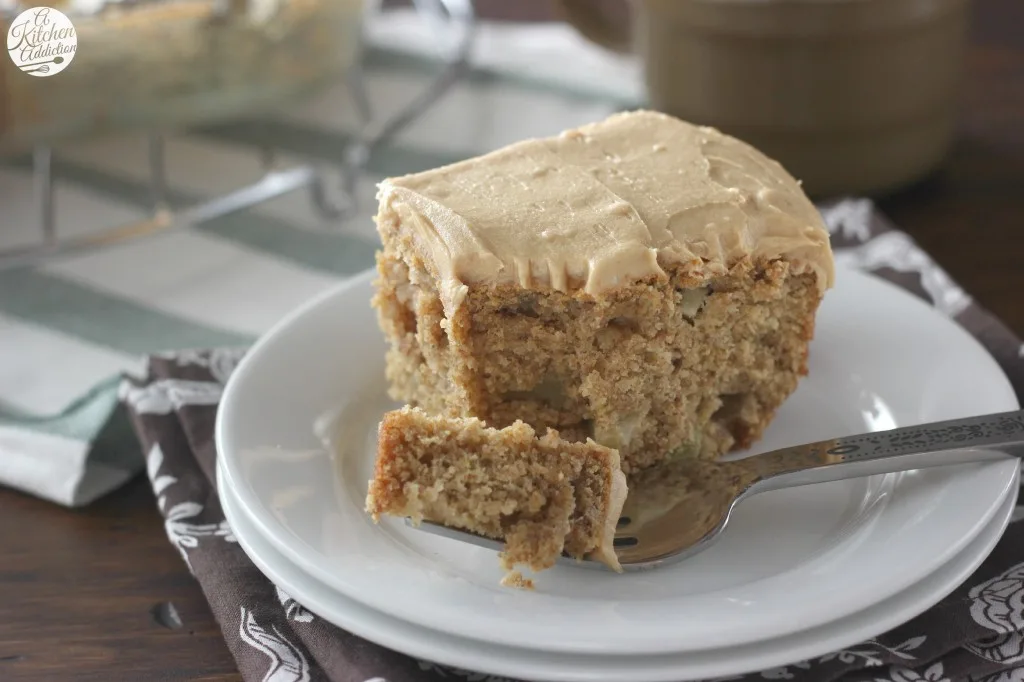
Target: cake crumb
517	580
540	495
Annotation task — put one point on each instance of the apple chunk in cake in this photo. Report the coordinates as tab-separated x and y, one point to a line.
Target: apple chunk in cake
640	281
542	495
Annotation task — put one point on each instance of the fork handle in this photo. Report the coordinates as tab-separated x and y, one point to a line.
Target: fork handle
957	441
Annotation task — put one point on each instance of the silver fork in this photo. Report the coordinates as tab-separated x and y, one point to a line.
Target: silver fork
683	507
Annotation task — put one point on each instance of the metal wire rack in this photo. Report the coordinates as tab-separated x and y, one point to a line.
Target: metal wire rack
331	187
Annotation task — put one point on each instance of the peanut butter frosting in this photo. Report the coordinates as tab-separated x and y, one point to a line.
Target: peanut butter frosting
608	204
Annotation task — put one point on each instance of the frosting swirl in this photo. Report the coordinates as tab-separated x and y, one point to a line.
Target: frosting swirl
606	204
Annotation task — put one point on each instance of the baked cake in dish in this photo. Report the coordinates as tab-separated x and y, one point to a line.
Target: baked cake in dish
541	495
640	281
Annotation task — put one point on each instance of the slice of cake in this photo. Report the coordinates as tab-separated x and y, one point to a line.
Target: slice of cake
640	281
542	495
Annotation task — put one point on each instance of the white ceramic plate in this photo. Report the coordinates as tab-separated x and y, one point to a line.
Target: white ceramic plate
499	660
794	559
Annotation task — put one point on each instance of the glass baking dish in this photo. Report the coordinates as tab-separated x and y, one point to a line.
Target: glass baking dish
162	64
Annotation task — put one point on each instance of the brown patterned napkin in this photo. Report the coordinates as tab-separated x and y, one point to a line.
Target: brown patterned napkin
976	633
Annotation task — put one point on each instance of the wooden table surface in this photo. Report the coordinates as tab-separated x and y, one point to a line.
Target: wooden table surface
78	588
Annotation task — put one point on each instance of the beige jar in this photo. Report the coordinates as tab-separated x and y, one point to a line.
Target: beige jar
852	96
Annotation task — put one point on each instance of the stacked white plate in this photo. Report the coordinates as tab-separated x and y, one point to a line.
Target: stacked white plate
801	573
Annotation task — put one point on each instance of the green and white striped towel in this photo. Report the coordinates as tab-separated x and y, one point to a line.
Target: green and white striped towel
69	329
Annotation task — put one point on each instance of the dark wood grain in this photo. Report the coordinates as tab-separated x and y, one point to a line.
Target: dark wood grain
77	588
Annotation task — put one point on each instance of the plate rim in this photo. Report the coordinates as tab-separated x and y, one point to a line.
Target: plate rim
804	644
247	497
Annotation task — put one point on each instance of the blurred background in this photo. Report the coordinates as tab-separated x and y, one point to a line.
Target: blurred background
854	97
198	168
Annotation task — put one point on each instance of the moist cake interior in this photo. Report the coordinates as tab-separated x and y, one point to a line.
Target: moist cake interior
541	495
